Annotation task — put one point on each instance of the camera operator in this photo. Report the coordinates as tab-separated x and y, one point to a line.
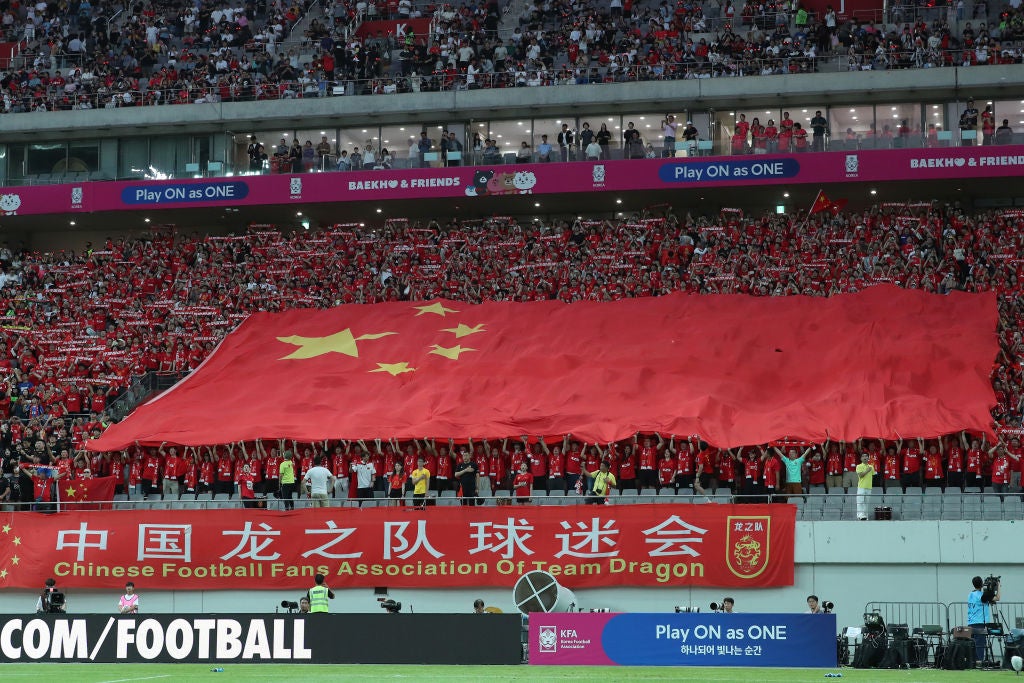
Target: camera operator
319	595
48	602
814	605
979	611
724	607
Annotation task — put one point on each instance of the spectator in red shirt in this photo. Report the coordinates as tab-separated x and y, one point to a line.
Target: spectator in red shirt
556	465
573	464
1002	467
892	468
976	465
174	468
522	484
625	473
934	474
772	468
647	462
443	480
833	467
684	464
666	470
704	475
911	454
247	487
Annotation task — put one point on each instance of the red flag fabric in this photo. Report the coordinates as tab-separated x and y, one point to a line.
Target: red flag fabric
736	370
78	494
821	203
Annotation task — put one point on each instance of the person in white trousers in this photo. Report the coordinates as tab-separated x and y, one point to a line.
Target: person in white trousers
865	474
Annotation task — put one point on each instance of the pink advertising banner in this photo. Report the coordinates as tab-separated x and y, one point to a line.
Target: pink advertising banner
481	182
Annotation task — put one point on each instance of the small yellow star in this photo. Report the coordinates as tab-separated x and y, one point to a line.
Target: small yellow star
3	573
15	560
342	342
452	353
7	528
464	330
17	540
393	368
436	308
71	492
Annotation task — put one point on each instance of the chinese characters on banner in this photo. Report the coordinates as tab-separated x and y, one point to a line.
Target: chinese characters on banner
629	545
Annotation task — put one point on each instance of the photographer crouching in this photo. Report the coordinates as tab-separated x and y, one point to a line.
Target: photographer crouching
980	603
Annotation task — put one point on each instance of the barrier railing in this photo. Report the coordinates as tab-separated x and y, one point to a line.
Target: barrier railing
833	507
405	80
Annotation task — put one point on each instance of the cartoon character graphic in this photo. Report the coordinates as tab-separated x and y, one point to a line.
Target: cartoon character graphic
501	183
524	182
478	188
9	204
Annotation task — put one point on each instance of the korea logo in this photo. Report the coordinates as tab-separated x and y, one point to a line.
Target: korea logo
76	197
547	638
852	164
296	187
747	543
598	173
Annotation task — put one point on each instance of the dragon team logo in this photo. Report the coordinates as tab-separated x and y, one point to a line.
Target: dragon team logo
747	544
547	638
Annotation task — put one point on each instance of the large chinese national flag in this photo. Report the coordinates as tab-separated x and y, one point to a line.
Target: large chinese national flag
736	370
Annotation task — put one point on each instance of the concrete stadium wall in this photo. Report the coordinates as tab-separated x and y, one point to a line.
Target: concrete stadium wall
911	85
849	563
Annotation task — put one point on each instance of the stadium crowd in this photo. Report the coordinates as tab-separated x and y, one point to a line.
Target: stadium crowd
78	326
81	56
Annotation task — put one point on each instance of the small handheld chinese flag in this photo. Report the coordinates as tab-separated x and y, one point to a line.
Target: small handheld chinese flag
823	203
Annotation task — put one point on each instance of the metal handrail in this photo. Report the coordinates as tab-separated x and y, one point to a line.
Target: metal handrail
397	82
810	506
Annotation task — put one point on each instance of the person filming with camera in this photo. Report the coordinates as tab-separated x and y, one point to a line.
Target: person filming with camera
51	600
980	603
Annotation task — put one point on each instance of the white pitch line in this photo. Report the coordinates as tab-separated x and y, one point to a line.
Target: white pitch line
147	678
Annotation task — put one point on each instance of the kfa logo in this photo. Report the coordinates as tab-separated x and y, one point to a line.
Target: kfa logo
852	165
76	197
547	638
296	187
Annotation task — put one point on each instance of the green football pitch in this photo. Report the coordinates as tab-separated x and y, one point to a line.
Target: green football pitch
126	673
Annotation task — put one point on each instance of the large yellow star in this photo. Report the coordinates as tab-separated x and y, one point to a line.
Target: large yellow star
436	308
15	560
464	330
342	342
17	540
71	492
7	528
452	352
393	368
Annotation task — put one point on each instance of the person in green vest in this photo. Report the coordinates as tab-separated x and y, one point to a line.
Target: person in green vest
319	595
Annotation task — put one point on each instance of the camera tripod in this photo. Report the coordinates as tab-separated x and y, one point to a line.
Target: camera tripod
995	631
